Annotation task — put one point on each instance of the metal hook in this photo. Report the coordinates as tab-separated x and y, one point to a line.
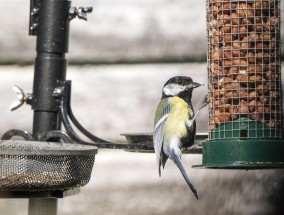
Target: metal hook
16	132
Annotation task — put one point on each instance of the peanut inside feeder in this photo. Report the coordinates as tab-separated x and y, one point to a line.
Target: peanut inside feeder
244	69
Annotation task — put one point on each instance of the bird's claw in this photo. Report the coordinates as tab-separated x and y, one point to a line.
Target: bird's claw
204	102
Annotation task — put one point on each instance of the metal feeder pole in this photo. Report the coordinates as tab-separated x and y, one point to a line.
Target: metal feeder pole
52	32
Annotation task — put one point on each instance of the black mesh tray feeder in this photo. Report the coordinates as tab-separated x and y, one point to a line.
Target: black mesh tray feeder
244	76
44	166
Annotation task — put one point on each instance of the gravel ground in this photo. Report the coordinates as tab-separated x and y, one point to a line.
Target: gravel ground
114	99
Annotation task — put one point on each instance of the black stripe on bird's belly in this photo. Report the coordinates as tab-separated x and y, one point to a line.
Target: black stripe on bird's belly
189	139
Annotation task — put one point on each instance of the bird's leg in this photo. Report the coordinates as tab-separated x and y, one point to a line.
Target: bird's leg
201	105
203	102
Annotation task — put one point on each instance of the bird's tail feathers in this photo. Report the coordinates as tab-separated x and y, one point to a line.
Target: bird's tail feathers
178	162
162	163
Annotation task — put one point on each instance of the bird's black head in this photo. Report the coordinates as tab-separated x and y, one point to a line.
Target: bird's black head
180	86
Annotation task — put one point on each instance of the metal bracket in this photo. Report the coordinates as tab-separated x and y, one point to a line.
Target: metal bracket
57	134
34	12
74	12
29	137
15	132
63	94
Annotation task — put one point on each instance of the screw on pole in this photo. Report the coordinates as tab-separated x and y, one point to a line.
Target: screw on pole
80	12
22	98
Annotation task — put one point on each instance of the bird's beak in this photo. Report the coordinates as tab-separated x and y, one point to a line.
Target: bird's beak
193	85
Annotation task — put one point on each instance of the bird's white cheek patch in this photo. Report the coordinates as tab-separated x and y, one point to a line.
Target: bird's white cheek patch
173	89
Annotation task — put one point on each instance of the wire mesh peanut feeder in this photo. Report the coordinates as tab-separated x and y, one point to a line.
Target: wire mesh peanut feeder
244	76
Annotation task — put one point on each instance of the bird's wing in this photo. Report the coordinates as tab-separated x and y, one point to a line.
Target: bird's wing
158	146
162	113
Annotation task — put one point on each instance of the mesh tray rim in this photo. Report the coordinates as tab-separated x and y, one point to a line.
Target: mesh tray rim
37	148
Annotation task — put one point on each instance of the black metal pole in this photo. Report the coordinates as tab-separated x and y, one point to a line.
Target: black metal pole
50	67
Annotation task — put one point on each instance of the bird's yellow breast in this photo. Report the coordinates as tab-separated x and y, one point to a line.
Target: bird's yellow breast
178	116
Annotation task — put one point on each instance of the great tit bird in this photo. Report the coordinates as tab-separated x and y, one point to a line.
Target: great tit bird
174	125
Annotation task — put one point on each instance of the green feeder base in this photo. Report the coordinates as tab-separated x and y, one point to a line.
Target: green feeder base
243	144
243	154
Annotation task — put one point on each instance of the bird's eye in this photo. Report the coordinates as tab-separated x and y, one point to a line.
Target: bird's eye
179	81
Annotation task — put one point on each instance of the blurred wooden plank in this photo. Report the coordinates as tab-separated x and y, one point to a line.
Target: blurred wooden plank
116	31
